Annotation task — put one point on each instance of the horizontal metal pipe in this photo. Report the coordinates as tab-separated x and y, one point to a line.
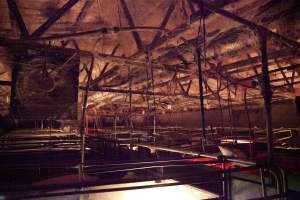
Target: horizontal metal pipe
8	83
193	153
124	91
98	183
146	167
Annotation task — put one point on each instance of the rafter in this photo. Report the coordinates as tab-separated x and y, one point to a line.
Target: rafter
164	22
129	18
103	71
53	18
248	23
283	75
83	12
14	10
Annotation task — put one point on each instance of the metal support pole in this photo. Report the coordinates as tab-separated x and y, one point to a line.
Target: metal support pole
13	90
200	74
154	101
284	183
229	109
83	117
266	92
251	133
229	183
115	126
130	107
263	185
224	177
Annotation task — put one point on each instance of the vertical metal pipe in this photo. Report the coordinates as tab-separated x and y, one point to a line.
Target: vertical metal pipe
284	183
148	104
220	106
13	88
224	183
229	109
83	117
251	133
229	183
115	126
130	107
263	185
266	92
200	74
154	100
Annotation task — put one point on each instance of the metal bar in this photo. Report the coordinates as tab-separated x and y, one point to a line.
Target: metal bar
153	90
53	18
200	78
83	12
135	34
224	182
176	31
83	117
104	30
164	22
284	75
14	78
5	83
200	74
266	92
189	86
229	105
248	23
229	183
193	153
284	182
137	92
18	17
252	60
130	77
262	179
68	51
272	71
100	77
251	133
